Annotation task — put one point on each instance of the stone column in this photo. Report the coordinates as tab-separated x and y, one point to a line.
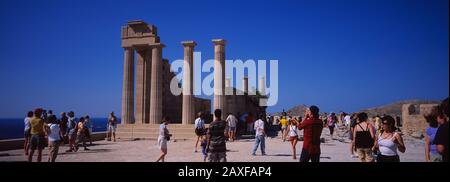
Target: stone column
188	113
156	85
140	78
245	85
128	87
147	85
262	86
219	75
229	98
227	83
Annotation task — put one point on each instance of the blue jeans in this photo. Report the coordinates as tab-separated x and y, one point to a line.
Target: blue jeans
260	140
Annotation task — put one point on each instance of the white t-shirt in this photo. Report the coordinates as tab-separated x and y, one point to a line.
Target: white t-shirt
27	124
162	130
54	133
347	119
231	120
259	127
199	123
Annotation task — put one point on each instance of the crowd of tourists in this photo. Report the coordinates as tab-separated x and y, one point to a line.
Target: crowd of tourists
376	139
44	129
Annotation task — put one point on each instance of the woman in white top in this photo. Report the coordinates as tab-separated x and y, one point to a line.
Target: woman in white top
163	137
389	142
54	134
293	135
199	128
27	129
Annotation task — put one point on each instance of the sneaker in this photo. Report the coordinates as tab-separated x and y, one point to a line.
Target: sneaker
86	149
263	154
254	154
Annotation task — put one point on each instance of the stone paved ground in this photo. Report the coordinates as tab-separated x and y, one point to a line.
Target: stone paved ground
333	150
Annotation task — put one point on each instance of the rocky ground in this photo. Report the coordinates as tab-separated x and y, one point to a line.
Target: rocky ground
336	149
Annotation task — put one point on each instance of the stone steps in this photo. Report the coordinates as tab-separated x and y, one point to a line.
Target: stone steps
156	130
153	136
151	131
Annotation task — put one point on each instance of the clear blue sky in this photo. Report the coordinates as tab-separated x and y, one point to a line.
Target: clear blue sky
337	54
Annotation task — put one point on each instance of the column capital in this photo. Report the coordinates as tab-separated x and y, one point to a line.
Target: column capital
219	41
189	43
158	45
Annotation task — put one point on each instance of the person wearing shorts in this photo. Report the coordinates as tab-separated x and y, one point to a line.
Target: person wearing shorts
27	130
112	122
232	122
38	141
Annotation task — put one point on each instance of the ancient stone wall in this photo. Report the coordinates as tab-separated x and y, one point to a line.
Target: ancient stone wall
414	124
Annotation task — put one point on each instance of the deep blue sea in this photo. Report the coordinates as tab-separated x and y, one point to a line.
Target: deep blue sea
11	128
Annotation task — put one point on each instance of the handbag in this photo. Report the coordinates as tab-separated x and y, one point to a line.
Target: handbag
168	137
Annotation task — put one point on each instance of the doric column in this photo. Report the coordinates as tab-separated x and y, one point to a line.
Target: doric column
245	85
128	87
140	82
227	83
156	85
262	86
188	115
147	85
219	75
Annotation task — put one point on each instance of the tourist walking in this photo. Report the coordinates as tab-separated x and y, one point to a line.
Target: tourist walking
112	123
363	138
89	126
389	142
259	136
37	141
353	123
216	139
63	126
347	120
27	130
293	136
203	144
284	122
163	137
54	135
331	123
81	134
431	153
441	139
231	121
378	126
312	127
324	118
71	131
199	128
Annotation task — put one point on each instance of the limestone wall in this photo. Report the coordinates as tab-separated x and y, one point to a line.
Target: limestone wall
414	124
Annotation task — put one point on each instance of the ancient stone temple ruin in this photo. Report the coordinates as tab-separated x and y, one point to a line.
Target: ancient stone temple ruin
146	95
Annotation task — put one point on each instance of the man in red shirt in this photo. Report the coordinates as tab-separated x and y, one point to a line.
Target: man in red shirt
311	136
